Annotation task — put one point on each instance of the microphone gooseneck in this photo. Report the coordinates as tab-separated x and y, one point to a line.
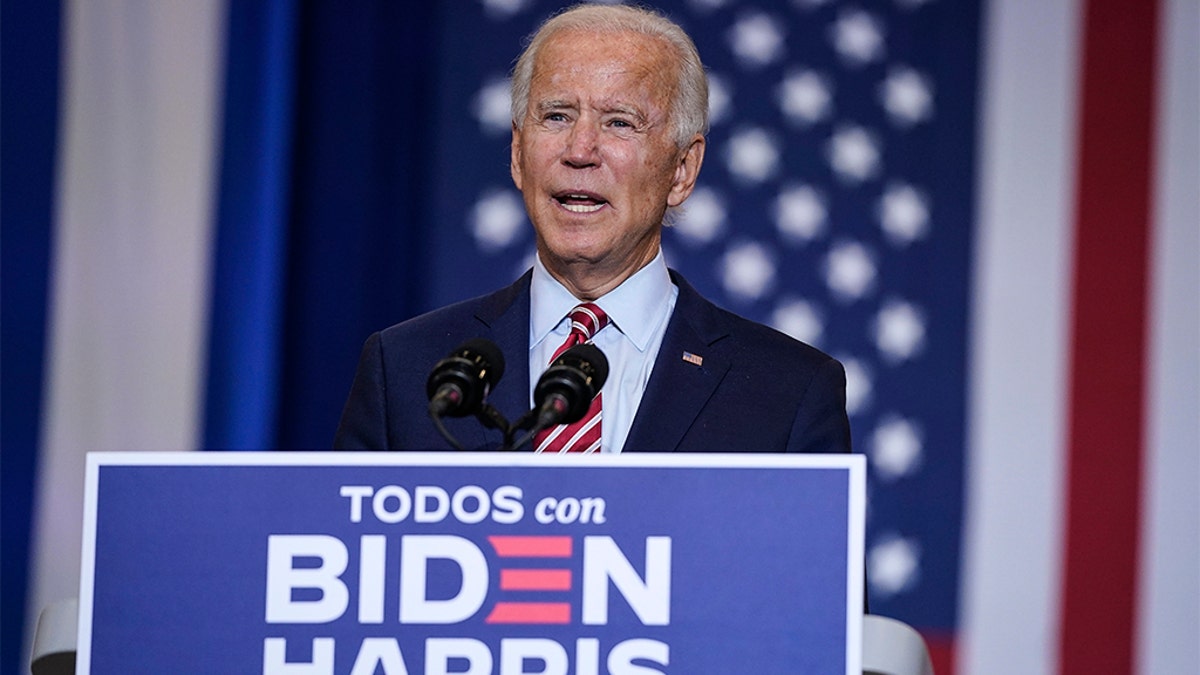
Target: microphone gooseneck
459	384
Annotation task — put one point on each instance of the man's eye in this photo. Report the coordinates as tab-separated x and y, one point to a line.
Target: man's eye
621	124
556	117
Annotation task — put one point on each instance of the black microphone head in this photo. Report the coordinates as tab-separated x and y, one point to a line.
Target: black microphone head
588	358
576	376
459	383
485	352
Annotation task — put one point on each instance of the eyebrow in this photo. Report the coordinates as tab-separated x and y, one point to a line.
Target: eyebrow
605	108
630	110
554	104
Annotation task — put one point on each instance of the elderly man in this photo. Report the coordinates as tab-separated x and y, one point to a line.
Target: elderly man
609	115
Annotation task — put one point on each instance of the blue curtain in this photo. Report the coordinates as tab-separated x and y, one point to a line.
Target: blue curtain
322	212
29	63
252	224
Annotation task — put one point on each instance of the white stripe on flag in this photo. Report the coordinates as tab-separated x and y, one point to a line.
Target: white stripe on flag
1014	535
129	285
1169	593
1021	307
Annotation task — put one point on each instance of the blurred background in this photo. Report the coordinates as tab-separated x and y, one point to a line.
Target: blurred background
988	210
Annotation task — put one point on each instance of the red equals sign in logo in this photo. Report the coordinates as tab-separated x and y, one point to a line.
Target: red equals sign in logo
539	579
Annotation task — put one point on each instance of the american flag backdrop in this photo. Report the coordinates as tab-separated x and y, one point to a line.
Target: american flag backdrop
986	209
835	204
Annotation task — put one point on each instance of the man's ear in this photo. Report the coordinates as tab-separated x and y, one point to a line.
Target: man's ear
514	162
687	171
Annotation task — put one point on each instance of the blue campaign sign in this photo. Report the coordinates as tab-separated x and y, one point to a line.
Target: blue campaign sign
471	563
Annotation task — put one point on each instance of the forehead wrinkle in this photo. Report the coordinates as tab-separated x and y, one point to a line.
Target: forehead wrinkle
650	71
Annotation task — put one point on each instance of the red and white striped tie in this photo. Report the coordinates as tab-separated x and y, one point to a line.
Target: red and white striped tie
582	436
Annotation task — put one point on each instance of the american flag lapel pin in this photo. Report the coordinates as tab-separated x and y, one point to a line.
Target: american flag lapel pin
694	359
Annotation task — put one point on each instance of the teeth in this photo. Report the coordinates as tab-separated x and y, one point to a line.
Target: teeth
583	208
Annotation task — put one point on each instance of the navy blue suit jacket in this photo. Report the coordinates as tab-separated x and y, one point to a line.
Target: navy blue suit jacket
757	390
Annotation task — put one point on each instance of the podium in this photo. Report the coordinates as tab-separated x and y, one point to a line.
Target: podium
890	647
472	563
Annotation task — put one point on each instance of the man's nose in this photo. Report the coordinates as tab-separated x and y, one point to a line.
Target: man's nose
582	148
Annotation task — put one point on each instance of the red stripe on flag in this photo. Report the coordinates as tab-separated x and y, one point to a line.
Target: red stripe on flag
531	547
1109	323
530	613
535	580
941	651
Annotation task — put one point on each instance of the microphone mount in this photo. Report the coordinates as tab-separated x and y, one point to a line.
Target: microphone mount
459	384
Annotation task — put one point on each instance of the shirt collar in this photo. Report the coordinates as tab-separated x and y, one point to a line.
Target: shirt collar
635	307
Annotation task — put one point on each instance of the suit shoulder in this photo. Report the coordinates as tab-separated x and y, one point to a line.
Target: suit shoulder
431	323
719	326
770	343
459	320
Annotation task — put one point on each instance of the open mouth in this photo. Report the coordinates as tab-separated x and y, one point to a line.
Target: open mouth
580	202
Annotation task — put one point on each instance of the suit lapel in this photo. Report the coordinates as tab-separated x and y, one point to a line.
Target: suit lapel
506	314
689	366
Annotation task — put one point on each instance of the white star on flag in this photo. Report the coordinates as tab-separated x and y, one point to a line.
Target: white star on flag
703	217
503	9
805	97
895	448
853	153
747	270
893	565
491	107
899	331
849	271
799	319
907	96
903	214
858	37
756	40
753	155
800	213
497	218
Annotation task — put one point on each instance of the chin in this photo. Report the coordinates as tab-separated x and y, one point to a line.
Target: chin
574	253
572	242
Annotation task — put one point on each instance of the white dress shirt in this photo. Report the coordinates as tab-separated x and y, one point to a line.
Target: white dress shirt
638	311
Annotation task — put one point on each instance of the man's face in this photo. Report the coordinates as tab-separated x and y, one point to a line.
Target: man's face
595	156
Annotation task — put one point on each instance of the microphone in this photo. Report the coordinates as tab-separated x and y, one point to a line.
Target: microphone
565	391
460	382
